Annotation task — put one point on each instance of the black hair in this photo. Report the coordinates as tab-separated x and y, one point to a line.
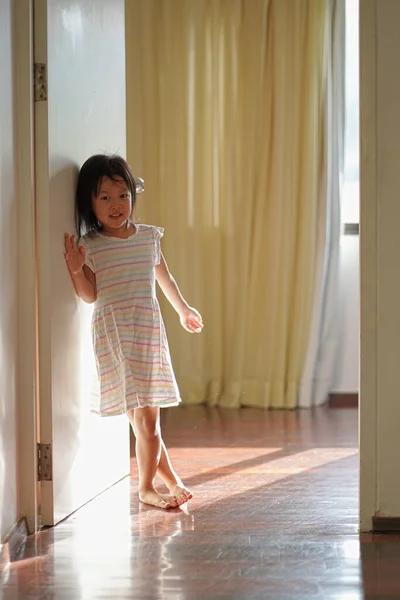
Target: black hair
89	180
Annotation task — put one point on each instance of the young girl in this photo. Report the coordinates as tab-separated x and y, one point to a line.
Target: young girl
116	266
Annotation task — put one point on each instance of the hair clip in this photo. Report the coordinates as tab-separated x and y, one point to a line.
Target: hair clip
139	185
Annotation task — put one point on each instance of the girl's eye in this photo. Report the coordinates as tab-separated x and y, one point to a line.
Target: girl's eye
121	196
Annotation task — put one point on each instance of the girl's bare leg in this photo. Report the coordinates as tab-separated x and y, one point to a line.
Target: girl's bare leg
171	479
151	457
148	452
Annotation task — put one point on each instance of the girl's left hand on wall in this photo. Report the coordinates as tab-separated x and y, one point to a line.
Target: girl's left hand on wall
75	256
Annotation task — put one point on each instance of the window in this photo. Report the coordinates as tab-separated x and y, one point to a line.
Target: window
351	187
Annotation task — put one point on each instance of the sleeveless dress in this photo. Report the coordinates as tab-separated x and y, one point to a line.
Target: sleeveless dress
129	339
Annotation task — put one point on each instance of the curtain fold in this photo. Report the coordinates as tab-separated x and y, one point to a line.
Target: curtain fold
323	338
226	109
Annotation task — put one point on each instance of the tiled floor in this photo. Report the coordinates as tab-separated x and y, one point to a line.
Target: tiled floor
274	517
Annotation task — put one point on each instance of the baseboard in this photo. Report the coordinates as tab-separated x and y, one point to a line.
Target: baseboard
381	524
343	400
12	544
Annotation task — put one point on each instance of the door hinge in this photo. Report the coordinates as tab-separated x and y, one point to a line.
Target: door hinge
39	82
44	462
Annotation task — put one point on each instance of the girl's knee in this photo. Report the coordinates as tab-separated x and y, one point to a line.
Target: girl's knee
147	422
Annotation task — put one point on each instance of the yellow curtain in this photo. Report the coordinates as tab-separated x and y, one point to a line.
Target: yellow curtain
225	109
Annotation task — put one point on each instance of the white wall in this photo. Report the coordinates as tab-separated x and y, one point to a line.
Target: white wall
8	281
346	376
388	253
380	252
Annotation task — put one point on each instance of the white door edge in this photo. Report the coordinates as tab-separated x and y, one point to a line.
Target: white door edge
368	268
28	488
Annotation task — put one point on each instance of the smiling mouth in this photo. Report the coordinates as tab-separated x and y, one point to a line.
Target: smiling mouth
116	216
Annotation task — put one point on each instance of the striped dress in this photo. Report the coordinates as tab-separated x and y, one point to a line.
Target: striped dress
130	344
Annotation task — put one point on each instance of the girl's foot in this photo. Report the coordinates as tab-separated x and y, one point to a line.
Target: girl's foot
180	492
160	500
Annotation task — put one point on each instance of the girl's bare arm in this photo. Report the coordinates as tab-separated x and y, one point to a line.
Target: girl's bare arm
169	287
85	284
190	319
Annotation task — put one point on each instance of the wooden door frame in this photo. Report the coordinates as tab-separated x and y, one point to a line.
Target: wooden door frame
27	416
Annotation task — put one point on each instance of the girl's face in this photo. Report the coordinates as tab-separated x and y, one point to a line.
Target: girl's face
113	205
